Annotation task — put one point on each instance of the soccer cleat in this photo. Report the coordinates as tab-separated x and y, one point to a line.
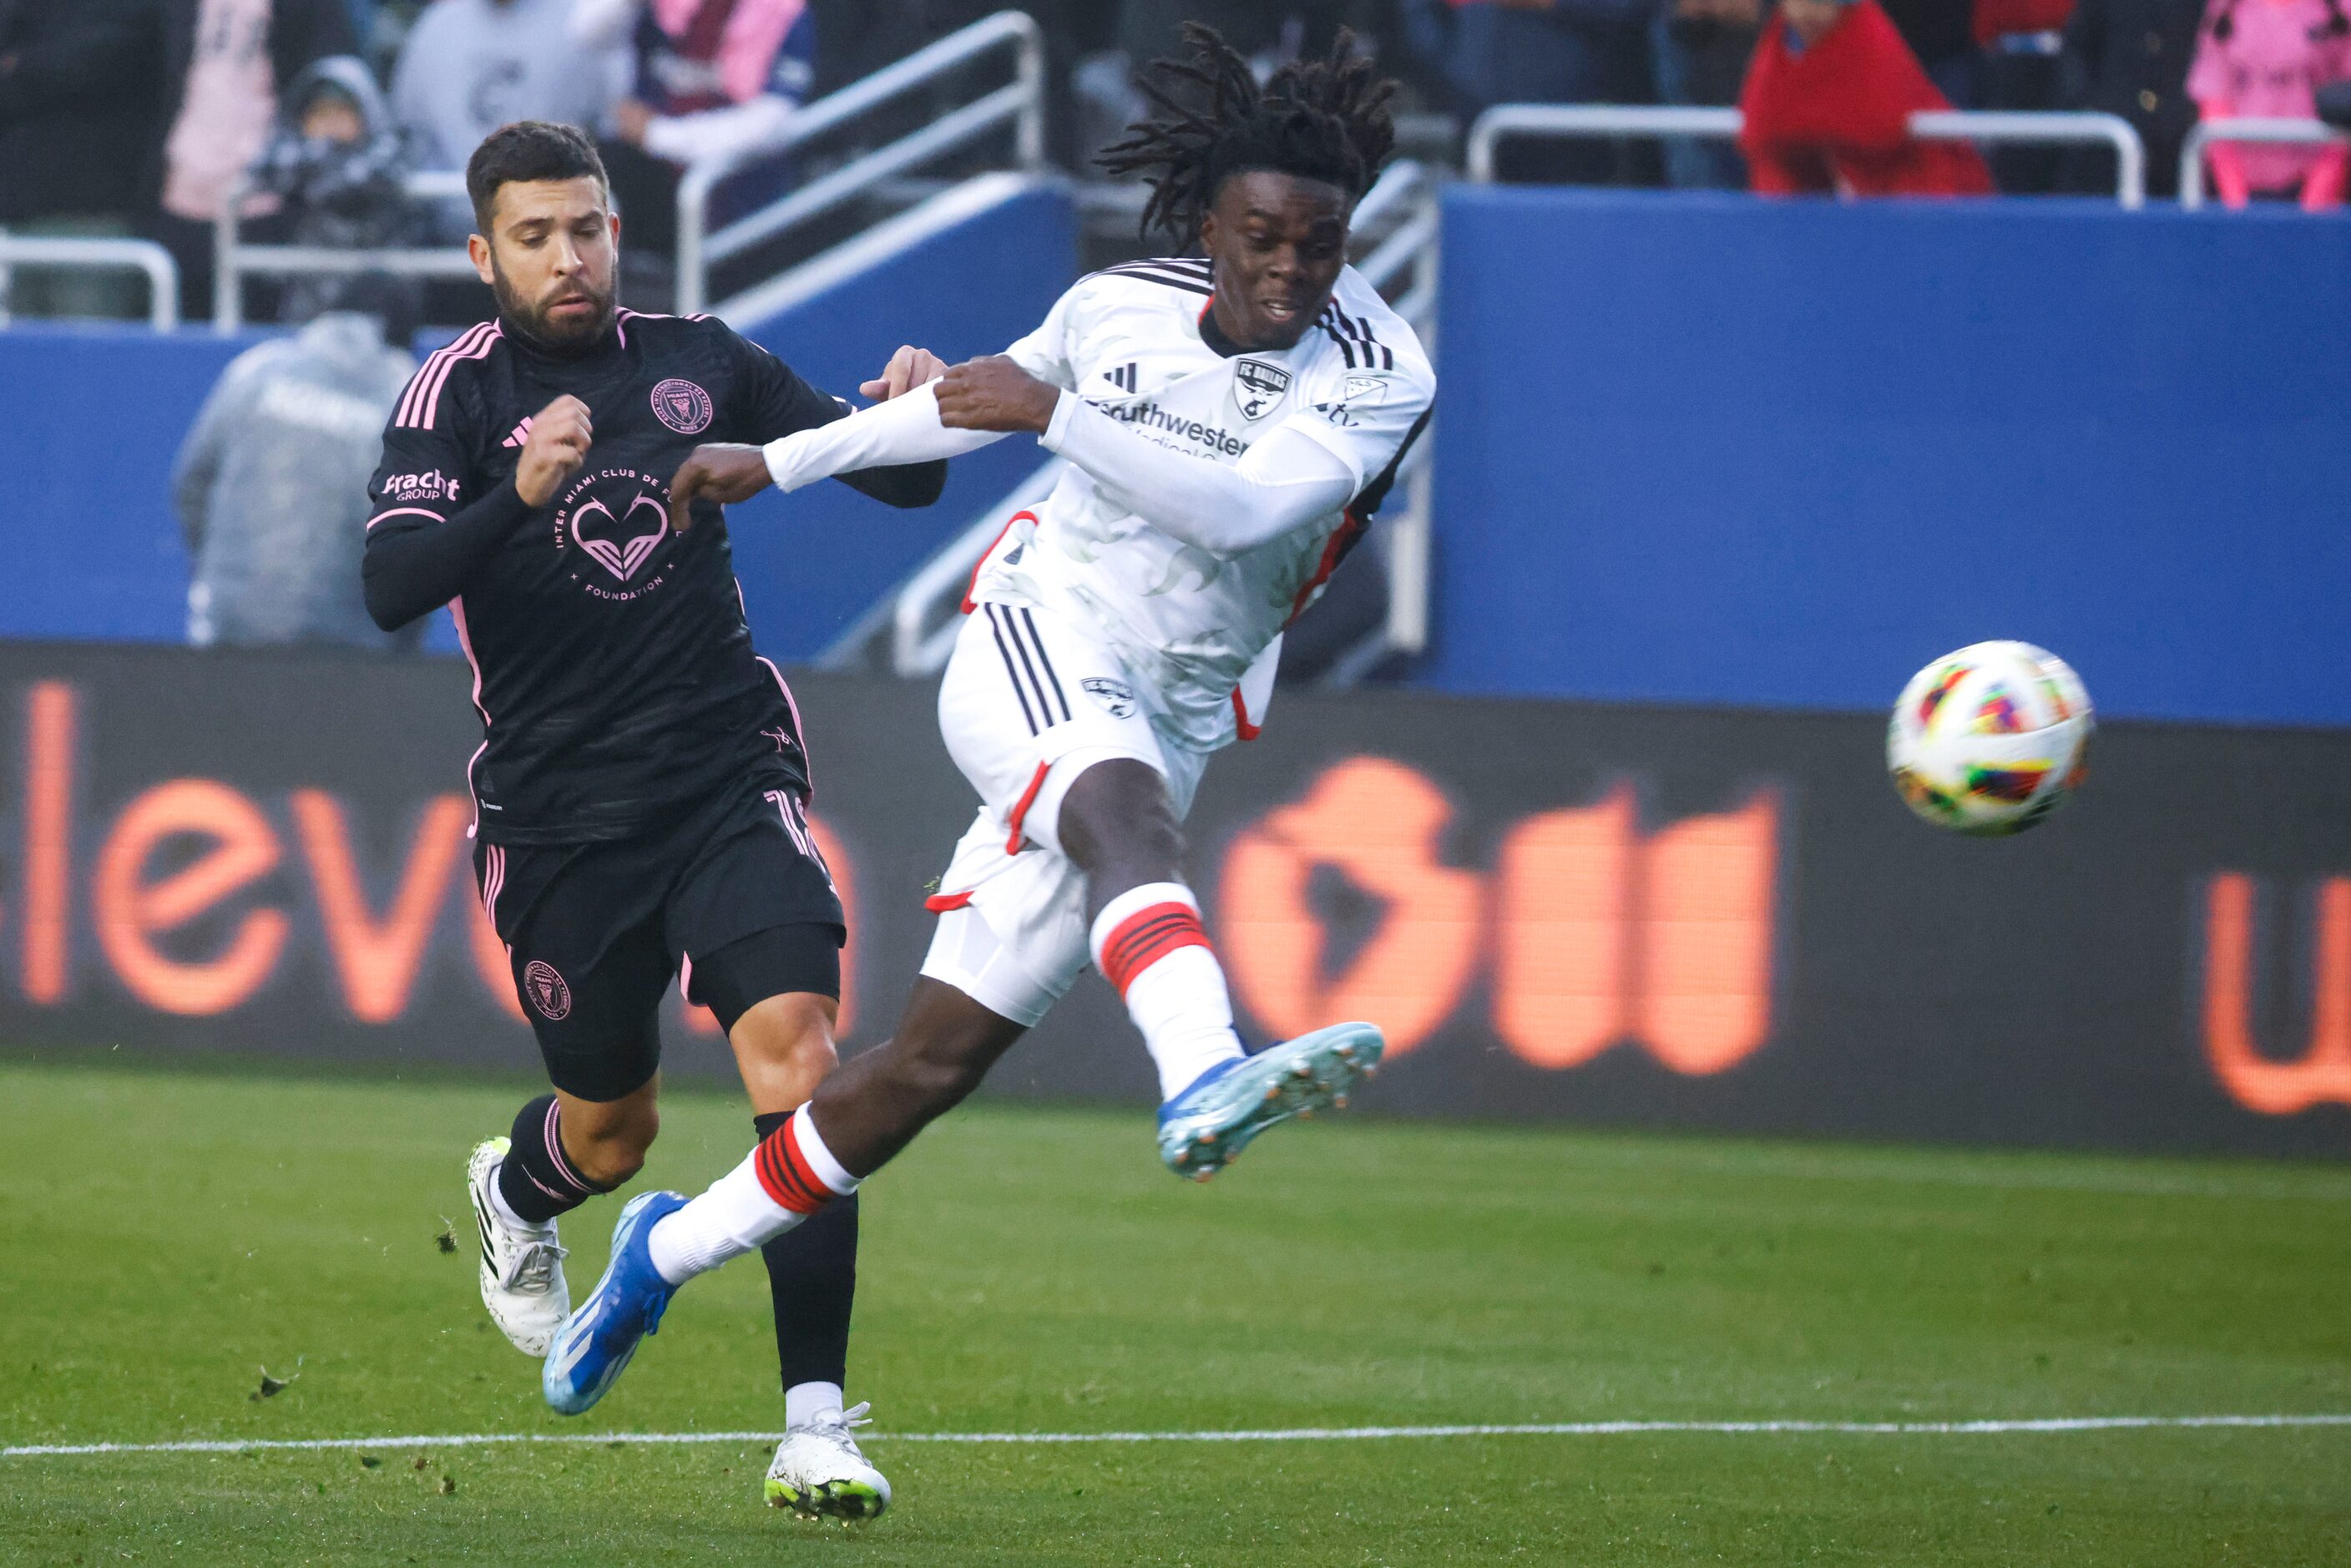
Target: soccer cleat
593	1346
522	1265
1204	1128
819	1472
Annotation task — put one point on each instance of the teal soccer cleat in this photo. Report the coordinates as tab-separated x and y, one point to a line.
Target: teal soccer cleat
593	1346
1207	1126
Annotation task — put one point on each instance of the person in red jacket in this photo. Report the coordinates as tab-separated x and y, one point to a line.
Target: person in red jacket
1828	102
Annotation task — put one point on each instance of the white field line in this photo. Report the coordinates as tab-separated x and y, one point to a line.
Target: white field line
1273	1435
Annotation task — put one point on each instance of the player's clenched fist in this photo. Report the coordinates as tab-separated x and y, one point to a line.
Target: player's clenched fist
995	393
560	434
724	472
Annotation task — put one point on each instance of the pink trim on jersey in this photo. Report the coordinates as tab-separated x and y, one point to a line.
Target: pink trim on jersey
466	641
423	401
403	512
808	763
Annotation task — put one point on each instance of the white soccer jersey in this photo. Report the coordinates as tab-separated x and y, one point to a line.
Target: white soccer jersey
1190	622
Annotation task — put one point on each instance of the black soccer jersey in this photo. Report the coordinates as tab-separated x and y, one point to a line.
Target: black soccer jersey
612	667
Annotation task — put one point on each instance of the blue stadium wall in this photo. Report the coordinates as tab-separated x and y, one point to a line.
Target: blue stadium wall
1712	450
1691	449
91	418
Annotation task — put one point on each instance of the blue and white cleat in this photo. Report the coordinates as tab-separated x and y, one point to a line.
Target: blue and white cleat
593	1346
1204	1128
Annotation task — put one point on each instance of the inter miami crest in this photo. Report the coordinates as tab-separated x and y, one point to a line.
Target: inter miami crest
547	991
1257	386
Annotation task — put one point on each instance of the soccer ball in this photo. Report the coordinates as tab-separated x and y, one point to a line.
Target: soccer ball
1991	739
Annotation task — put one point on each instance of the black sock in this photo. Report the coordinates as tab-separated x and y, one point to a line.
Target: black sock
535	1179
812	1275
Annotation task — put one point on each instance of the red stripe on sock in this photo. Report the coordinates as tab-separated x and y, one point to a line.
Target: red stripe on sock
1147	935
785	1177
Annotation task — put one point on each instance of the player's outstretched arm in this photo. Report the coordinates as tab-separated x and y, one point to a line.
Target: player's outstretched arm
1286	480
906	430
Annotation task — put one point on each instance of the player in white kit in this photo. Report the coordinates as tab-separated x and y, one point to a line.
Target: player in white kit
1231	422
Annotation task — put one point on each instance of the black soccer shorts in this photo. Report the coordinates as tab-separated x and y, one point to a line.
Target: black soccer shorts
730	893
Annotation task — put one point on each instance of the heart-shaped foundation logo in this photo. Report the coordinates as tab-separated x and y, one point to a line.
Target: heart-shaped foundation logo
623	544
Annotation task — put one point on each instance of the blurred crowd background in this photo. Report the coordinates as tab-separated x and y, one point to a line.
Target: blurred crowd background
144	117
309	120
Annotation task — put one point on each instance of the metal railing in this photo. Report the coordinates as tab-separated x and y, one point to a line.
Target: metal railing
105	255
1021	105
234	261
2296	132
923	621
1989	126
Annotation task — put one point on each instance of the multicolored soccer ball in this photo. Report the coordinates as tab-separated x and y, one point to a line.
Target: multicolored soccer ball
1991	739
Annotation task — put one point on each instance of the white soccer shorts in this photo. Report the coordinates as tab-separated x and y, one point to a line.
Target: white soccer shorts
1031	701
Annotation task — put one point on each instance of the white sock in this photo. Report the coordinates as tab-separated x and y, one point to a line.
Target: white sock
1149	944
804	1402
739	1213
498	1205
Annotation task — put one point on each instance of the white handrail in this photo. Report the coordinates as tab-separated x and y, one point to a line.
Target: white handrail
1506	119
1021	104
2042	129
234	260
111	255
2305	133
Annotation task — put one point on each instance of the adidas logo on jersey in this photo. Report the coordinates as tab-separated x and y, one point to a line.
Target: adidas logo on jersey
1125	378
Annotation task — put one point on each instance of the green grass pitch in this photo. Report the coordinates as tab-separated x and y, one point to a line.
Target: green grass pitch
166	1234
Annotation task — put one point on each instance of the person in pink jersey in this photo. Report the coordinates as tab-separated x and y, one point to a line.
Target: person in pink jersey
2267	58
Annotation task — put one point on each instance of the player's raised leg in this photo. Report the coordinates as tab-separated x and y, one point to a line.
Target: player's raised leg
1120	827
518	1187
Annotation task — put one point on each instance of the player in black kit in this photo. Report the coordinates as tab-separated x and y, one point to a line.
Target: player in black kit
643	783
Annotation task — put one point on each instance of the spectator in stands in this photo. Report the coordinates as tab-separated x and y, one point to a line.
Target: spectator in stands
712	80
1828	104
471	66
1941	35
2267	58
271	483
336	166
1698	50
2130	57
223	63
76	97
1538	51
1267	31
2018	46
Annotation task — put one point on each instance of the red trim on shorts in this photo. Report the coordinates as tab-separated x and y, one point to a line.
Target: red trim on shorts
943	902
970	604
1343	538
1240	717
1020	807
1147	935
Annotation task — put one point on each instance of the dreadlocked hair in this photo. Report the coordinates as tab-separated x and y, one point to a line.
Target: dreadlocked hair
1320	119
